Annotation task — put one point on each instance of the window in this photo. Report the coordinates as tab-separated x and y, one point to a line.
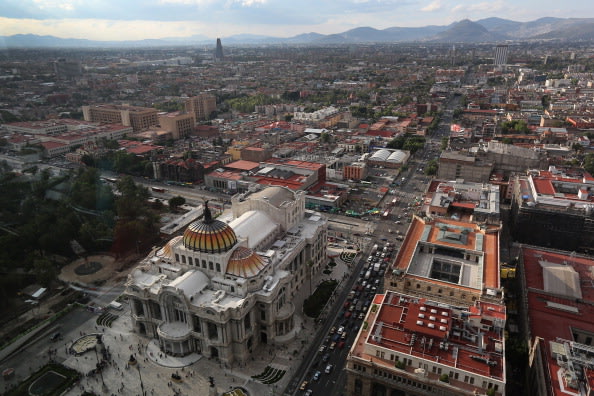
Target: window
190	260
210	266
176	257
203	263
218	267
183	259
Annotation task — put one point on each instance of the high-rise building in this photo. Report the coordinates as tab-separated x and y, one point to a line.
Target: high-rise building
201	106
500	58
218	55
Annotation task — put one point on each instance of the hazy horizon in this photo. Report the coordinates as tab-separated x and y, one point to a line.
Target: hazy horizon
113	20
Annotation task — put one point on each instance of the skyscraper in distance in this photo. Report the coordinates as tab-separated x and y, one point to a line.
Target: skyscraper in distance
218	55
500	58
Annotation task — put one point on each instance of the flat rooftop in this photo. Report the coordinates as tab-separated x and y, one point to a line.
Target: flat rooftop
450	241
470	339
554	314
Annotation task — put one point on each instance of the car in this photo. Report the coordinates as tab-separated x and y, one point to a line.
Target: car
343	336
347	315
340	345
322	349
333	345
308	392
325	357
303	385
333	330
56	336
361	316
340	330
316	375
328	369
347	304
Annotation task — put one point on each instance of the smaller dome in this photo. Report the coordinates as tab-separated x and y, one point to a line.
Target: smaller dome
167	250
244	262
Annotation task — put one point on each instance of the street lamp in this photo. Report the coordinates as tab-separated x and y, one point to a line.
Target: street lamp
100	368
141	383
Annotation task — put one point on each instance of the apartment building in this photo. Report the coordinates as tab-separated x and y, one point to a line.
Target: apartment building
139	118
201	106
179	124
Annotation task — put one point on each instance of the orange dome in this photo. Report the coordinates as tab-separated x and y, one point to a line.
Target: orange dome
245	262
209	235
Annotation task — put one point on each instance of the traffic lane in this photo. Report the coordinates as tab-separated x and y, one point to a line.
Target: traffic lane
305	372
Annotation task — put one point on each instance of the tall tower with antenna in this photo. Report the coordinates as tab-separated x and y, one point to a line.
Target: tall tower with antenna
218	55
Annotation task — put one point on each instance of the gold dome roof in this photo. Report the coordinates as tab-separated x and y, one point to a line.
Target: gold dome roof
244	262
209	235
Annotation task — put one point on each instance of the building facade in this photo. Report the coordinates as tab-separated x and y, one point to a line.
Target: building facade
416	346
180	125
555	209
201	106
454	165
139	118
226	286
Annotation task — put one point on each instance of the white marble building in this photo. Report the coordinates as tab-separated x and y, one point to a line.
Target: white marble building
226	285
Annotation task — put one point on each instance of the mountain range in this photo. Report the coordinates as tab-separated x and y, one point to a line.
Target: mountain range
465	31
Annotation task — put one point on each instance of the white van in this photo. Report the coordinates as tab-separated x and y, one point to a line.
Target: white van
116	305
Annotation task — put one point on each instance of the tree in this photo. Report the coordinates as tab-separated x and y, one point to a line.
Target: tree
431	168
45	271
176	202
577	148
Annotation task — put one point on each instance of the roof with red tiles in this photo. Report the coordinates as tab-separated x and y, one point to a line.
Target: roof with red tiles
434	235
242	165
432	331
551	316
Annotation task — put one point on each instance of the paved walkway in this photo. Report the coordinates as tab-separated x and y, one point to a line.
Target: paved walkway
152	373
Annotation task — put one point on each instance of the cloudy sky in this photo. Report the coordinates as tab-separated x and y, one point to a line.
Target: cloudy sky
140	19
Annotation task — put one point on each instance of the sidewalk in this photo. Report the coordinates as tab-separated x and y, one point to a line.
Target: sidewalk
155	368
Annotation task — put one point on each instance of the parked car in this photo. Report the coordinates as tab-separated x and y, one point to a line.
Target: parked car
328	369
316	375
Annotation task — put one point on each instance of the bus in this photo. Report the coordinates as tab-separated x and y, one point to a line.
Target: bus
158	189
